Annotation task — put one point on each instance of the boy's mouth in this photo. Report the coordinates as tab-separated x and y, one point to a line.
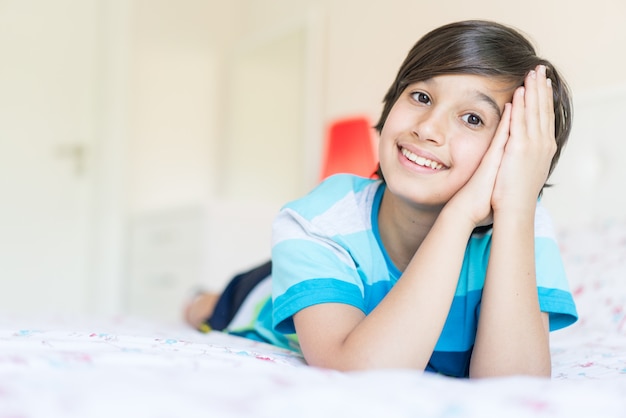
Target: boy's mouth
421	161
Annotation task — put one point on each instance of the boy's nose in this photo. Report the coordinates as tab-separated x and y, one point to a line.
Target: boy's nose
431	127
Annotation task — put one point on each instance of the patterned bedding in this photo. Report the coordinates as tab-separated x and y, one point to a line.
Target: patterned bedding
129	367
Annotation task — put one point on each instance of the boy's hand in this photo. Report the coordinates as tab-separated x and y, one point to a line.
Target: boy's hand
474	199
530	147
516	165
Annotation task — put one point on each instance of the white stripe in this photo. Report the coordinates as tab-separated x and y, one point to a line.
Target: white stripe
543	223
291	226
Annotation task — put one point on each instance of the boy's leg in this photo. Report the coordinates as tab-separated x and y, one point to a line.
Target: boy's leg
235	293
213	311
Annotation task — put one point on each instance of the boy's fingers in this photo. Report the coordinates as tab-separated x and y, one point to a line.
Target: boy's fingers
539	103
531	101
502	132
494	154
547	105
518	112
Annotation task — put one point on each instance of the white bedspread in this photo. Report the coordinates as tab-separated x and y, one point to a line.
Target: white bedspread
128	367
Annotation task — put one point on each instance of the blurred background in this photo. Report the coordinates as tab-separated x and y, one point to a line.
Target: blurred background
145	145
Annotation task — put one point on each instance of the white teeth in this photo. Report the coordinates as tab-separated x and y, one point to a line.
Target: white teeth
424	162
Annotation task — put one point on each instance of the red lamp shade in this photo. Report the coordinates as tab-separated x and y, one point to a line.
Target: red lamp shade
349	148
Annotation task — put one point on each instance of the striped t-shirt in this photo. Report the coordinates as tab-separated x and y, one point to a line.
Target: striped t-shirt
327	248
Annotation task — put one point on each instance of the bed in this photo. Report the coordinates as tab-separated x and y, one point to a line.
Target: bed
131	367
123	366
126	366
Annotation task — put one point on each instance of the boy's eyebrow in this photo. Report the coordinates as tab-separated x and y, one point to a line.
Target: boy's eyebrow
483	97
487	99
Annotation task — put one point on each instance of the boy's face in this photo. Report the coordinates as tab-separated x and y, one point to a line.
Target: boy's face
437	133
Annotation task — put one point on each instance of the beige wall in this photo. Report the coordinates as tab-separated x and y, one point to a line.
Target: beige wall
585	40
177	58
366	41
161	81
182	51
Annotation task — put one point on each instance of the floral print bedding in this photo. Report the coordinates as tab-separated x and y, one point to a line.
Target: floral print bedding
129	367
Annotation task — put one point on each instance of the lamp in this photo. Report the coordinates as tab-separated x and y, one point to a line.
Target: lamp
349	148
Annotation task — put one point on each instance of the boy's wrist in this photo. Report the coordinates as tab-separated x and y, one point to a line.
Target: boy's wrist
458	218
515	216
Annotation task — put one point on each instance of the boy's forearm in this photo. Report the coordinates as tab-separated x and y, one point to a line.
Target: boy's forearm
414	312
512	337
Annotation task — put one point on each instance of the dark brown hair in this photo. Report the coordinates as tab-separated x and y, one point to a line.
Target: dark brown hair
481	48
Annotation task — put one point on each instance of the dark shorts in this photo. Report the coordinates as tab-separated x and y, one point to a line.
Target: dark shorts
235	294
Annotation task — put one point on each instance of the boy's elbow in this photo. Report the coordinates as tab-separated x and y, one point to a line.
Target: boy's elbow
339	360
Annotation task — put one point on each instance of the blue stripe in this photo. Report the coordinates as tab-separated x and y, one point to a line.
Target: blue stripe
459	331
295	256
455	364
475	261
458	334
560	304
311	292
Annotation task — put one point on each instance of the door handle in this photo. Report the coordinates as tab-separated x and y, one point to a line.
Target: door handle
76	153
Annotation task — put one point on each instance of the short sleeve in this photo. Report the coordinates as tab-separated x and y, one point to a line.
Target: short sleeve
309	268
555	297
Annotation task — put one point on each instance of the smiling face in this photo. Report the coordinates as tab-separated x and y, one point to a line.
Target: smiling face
436	134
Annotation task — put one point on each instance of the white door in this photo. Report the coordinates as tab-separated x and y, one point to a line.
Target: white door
47	108
265	122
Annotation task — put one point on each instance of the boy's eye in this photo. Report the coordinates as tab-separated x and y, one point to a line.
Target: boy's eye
472	119
421	97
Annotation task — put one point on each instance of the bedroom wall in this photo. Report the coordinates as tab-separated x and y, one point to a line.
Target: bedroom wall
583	39
164	71
176	70
182	71
362	44
182	53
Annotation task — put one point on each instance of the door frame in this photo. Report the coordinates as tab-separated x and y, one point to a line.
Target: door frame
106	281
312	24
